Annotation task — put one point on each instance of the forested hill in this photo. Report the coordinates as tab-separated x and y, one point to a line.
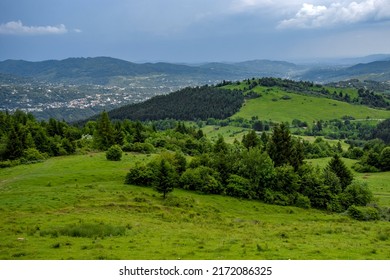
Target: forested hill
186	104
102	70
96	70
225	99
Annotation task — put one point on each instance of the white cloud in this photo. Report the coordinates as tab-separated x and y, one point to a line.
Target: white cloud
17	28
347	12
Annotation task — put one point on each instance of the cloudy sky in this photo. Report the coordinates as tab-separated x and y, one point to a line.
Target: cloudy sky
193	30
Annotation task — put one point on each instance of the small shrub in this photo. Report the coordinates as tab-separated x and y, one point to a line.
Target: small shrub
363	213
145	148
32	155
86	230
56	245
268	196
363	168
357	194
278	198
114	153
303	201
141	176
203	179
383	236
335	205
319	196
239	187
9	163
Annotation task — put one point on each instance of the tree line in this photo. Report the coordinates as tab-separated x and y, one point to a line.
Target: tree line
270	169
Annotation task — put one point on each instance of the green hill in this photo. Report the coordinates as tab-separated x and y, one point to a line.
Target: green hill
280	106
77	207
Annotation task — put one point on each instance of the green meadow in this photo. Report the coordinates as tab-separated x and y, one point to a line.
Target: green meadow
281	106
77	207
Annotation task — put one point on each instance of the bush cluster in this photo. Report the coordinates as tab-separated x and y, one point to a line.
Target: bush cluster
254	170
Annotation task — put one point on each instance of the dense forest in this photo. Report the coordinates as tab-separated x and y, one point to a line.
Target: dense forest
186	104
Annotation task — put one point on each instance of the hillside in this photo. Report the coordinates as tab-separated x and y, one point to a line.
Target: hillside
267	99
280	106
187	104
88	213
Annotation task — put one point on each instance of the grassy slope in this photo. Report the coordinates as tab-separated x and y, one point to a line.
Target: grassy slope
229	133
71	191
304	108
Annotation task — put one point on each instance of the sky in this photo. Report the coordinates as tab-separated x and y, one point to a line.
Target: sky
193	31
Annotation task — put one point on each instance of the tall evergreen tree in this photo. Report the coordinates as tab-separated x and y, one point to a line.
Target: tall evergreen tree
251	140
104	133
280	146
165	178
14	146
337	166
297	154
138	136
220	146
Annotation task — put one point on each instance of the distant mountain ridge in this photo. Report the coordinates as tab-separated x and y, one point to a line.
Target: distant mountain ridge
375	71
98	69
102	70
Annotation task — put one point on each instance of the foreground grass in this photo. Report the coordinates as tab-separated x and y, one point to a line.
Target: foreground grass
77	207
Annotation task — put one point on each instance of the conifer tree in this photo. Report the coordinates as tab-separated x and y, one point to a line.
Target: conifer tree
104	134
251	140
280	145
14	146
220	146
165	178
138	136
297	154
337	166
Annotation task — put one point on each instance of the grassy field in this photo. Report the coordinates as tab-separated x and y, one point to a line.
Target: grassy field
229	133
272	106
77	207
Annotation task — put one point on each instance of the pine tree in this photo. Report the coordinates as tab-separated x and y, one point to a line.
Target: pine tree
138	136
297	154
251	140
165	178
14	146
104	134
220	146
337	166
280	145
